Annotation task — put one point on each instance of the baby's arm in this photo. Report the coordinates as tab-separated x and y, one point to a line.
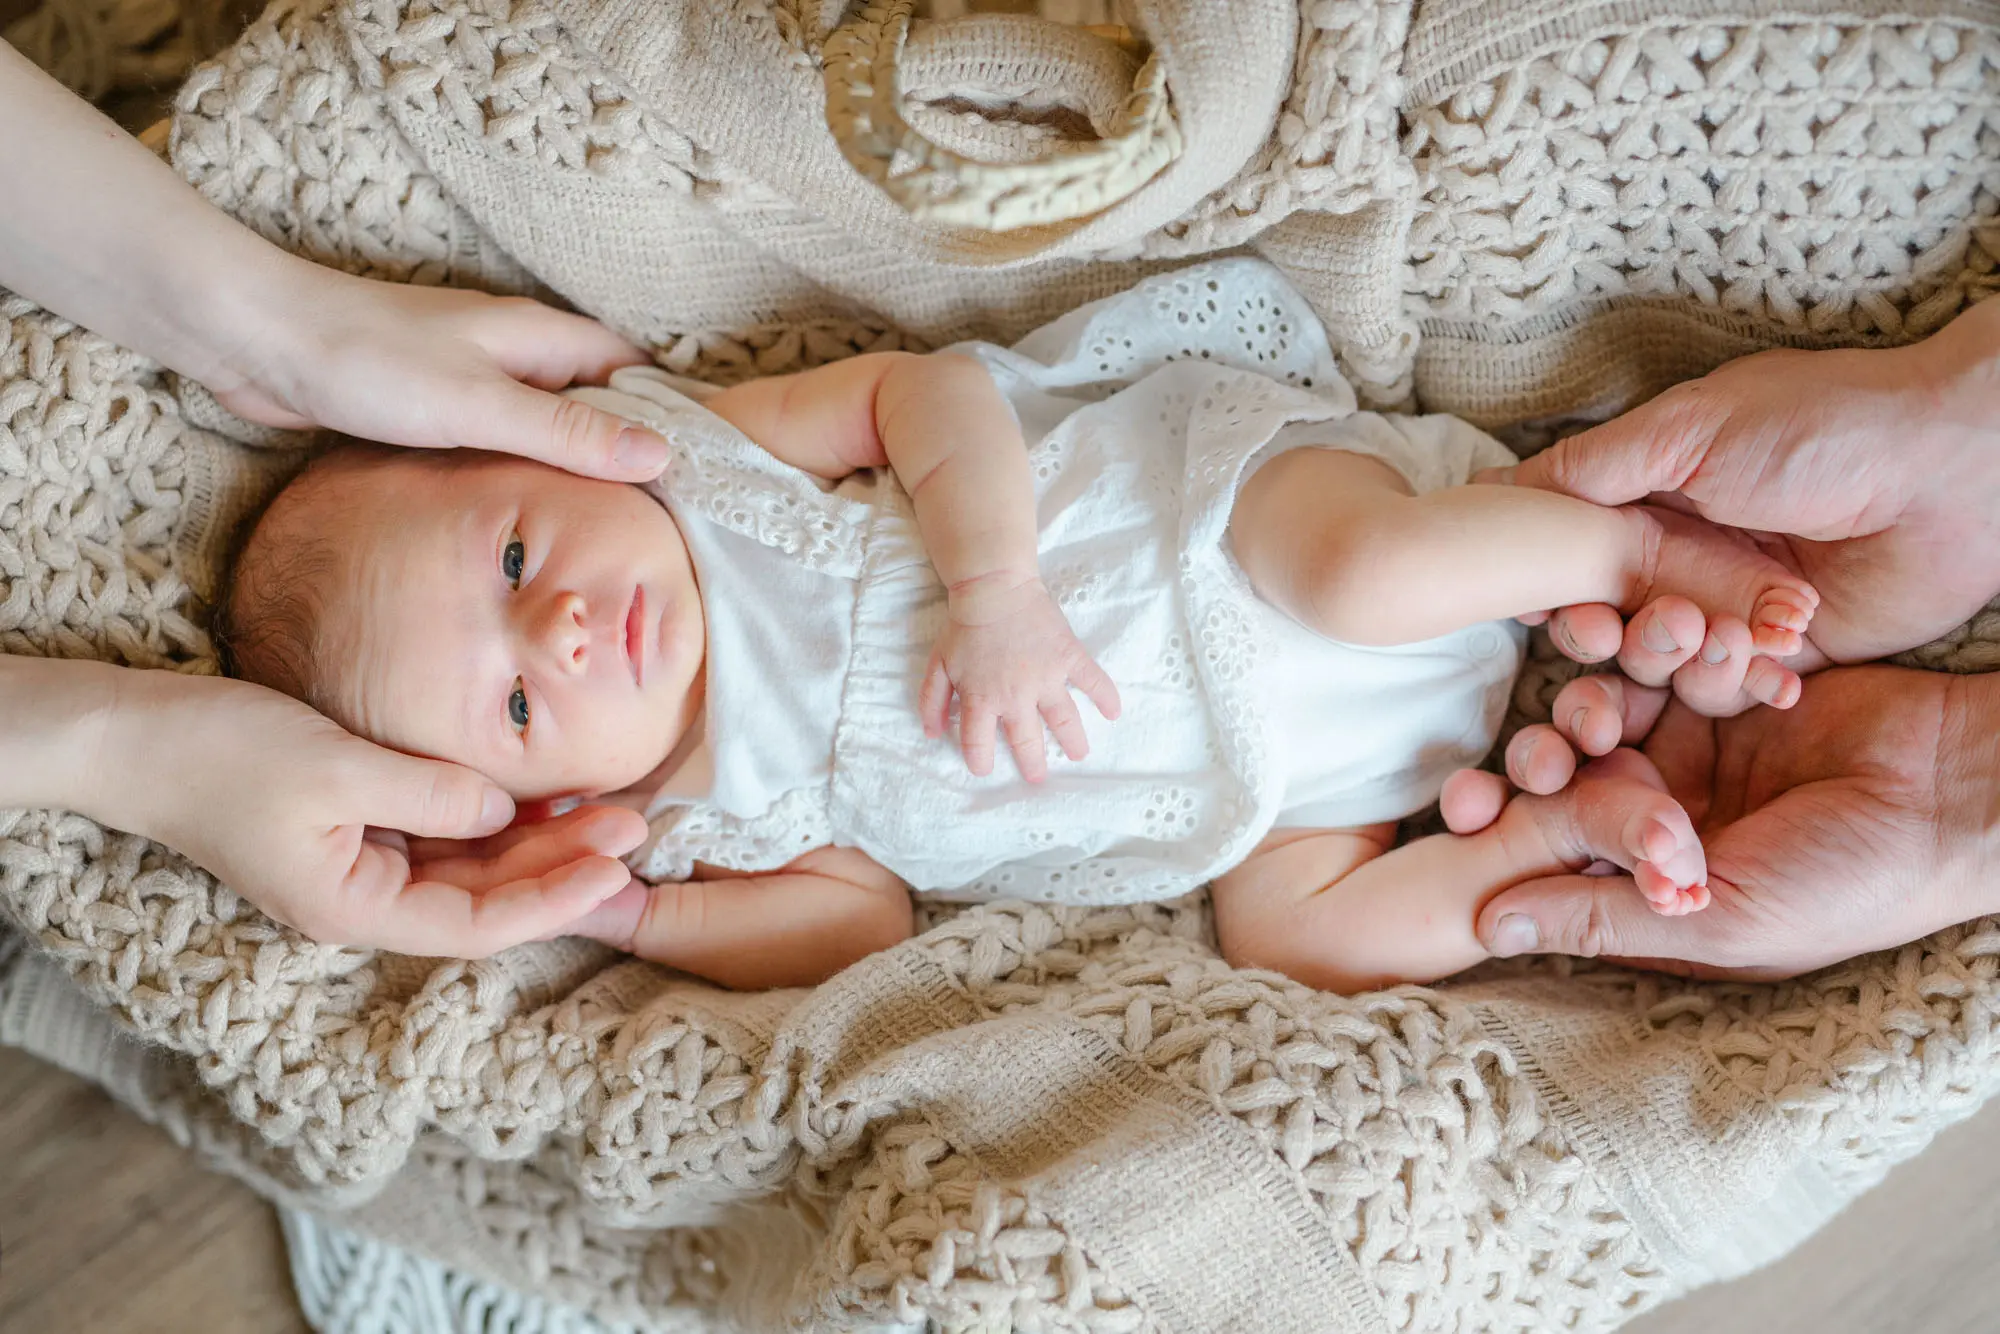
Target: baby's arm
793	927
942	424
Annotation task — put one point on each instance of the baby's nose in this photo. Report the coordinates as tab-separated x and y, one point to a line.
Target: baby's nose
565	635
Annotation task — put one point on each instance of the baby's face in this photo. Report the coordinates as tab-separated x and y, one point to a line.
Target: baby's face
539	627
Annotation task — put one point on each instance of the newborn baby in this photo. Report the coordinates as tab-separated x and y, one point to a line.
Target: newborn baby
1290	619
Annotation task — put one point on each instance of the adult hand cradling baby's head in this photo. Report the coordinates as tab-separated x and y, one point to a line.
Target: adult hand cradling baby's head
303	798
438	368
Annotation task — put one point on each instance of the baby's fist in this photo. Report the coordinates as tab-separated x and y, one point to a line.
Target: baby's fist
1010	656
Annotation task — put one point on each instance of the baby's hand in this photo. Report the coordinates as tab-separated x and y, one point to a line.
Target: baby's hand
1010	656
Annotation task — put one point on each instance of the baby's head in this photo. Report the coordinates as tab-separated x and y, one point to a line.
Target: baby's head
539	627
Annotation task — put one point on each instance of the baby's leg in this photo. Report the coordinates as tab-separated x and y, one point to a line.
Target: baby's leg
1337	541
1333	910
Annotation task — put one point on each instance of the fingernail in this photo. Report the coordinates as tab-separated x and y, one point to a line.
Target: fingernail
1571	649
496	809
636	449
1576	722
1515	933
1657	637
1714	651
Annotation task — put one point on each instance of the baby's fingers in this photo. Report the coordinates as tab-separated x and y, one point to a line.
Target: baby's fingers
1067	725
1024	737
934	698
975	736
1096	685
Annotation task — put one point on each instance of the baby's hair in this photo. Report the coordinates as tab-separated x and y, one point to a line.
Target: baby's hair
270	624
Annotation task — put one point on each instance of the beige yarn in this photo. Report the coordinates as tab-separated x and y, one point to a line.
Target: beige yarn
1027	1117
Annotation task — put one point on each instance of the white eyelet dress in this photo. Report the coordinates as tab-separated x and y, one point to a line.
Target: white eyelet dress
1142	414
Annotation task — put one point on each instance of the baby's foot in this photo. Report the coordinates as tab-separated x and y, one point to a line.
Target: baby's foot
1724	574
1617	812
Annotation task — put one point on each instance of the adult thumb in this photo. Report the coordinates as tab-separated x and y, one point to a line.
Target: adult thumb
425	798
517	418
1655	447
1592	917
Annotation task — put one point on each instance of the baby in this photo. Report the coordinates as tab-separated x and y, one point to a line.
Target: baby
1291	622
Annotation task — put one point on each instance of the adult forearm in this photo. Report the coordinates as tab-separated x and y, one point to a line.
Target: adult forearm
52	716
100	231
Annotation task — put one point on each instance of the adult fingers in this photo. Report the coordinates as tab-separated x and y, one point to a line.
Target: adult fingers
432	917
1594	715
1711	682
531	850
1769	682
1471	800
1586	632
1598	916
1655	447
612	830
551	348
426	798
1602	712
1539	760
1661	637
514	418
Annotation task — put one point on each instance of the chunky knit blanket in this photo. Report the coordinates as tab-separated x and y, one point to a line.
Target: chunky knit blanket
1032	1117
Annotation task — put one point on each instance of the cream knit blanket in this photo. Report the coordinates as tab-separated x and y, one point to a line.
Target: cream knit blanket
1027	1117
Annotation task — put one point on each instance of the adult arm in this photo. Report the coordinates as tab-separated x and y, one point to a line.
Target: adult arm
276	802
100	231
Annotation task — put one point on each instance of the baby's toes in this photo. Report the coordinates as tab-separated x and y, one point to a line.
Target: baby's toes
1658	888
1683	902
1666	852
1779	620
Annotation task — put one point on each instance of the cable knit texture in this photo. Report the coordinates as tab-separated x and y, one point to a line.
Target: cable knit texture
1029	1116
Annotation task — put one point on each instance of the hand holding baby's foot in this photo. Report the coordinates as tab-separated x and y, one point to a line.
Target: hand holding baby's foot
1726	574
1616	811
1010	656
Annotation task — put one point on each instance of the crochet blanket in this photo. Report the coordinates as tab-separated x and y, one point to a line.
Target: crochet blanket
1030	1117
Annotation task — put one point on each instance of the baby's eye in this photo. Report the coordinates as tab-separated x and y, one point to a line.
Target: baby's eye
517	706
513	560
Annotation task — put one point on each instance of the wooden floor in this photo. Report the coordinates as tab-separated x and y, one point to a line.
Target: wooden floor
107	1228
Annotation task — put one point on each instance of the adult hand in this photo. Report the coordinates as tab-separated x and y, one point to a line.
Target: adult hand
1865	817
1873	474
297	797
99	230
433	367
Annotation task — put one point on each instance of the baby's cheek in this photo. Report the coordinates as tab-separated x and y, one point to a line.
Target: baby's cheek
629	744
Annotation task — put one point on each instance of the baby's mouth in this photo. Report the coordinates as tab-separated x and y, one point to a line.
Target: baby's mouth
635	636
